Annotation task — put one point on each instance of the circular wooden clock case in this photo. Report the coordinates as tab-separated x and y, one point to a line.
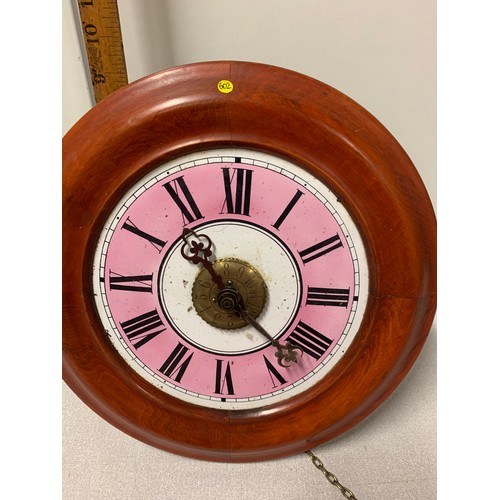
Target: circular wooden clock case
298	189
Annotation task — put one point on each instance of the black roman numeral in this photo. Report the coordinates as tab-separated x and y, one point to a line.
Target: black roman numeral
189	210
143	328
223	378
139	283
310	340
320	249
177	362
288	209
338	297
274	374
128	225
238	200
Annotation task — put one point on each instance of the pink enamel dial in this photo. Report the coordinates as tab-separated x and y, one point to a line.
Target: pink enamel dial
256	209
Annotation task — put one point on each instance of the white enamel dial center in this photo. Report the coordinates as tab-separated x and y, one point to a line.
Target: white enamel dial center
250	244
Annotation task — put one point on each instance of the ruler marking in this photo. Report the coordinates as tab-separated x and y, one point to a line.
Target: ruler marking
103	45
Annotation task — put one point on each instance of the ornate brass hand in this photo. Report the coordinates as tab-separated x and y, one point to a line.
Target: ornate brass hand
284	352
197	250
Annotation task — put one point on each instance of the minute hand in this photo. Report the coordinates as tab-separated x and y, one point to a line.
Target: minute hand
284	352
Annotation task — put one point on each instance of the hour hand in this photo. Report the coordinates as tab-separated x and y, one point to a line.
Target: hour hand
197	248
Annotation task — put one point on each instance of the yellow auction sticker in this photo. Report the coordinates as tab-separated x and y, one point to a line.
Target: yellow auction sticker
225	86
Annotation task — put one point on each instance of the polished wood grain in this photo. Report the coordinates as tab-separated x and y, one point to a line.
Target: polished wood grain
290	115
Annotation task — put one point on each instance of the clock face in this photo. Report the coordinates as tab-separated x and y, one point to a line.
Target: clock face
278	235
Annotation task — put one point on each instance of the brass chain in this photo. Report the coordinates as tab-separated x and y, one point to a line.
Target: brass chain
331	477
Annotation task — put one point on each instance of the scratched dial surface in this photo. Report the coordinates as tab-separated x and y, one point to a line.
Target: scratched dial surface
256	208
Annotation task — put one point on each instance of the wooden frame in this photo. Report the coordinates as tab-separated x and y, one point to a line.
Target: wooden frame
290	115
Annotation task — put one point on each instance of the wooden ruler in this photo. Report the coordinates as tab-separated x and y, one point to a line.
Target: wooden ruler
103	44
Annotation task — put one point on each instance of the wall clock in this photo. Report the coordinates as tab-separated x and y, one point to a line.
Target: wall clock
248	261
